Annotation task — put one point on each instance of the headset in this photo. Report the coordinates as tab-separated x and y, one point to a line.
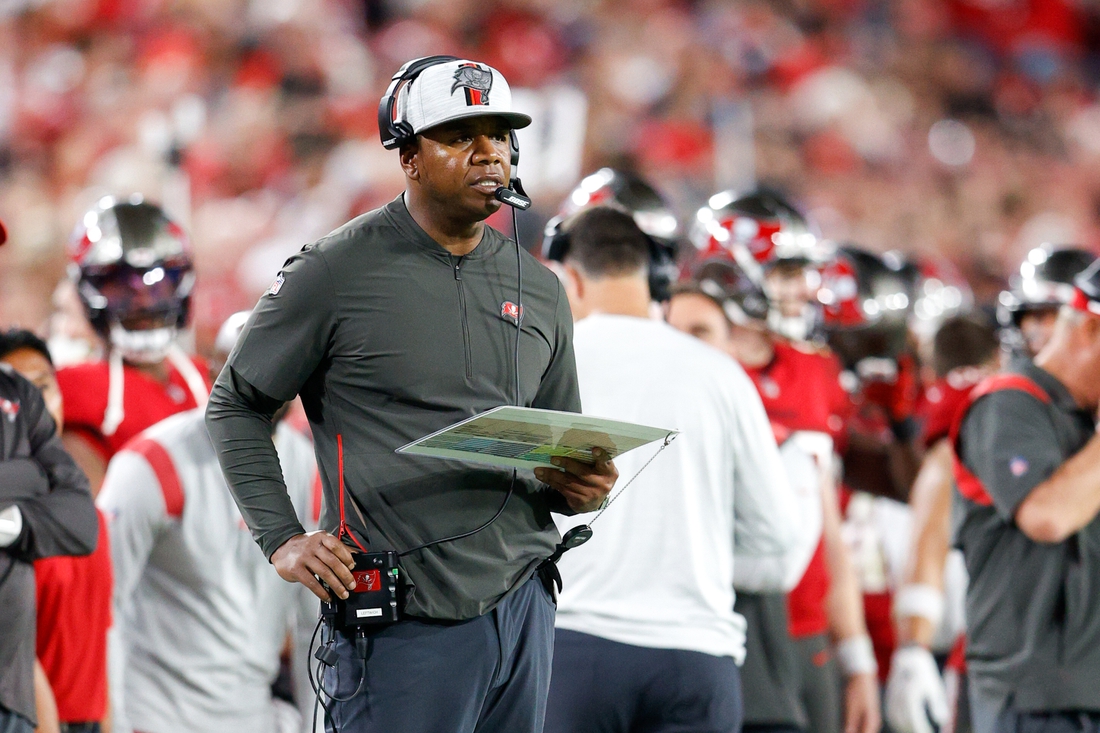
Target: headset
632	195
395	133
661	264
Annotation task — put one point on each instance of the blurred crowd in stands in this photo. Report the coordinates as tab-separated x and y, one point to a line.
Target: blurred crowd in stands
964	128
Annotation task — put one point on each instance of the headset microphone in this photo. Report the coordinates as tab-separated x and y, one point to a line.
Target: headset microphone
513	194
514	197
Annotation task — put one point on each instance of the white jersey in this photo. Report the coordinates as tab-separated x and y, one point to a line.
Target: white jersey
659	569
201	616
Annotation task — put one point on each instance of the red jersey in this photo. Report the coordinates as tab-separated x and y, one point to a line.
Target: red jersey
74	613
939	405
806	601
145	401
802	391
74	593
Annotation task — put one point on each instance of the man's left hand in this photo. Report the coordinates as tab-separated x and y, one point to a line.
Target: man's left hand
584	485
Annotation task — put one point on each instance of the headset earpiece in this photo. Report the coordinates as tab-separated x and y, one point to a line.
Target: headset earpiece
555	240
395	132
514	142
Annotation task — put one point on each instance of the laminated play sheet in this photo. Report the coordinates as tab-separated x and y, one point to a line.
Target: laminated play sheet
524	437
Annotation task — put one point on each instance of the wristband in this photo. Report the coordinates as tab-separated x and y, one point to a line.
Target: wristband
11	526
856	655
921	600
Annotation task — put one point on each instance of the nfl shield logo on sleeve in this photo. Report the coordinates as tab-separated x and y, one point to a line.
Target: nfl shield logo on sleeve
277	285
1018	466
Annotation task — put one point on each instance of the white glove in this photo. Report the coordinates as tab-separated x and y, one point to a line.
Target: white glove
11	526
915	693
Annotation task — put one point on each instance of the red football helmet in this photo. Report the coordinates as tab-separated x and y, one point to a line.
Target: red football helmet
762	224
742	298
775	245
866	300
133	271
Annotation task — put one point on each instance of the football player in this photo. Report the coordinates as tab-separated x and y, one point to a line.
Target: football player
799	385
133	272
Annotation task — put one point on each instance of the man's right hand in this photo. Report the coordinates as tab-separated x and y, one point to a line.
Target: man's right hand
306	557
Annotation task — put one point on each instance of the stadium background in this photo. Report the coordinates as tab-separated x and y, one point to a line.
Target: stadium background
963	129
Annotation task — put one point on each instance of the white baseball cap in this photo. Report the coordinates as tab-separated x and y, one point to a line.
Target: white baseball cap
456	90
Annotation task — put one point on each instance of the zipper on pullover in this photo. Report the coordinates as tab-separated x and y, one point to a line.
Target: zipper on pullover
462	315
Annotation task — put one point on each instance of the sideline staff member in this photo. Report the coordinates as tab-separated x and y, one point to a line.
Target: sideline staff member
1030	475
632	654
398	324
45	510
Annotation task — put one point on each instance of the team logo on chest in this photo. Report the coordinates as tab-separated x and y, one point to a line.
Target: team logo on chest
9	408
509	311
475	81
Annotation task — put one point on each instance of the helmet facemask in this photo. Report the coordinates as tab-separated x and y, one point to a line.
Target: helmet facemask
133	273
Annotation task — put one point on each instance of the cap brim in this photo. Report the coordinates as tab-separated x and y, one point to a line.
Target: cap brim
515	120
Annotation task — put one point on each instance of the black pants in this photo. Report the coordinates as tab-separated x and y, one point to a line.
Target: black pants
821	684
80	728
1011	721
602	686
14	723
486	675
770	675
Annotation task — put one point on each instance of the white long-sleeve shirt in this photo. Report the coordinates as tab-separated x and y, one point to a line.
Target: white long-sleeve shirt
659	569
757	574
201	616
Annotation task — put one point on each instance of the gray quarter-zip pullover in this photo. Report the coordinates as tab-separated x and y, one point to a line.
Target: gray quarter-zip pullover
388	337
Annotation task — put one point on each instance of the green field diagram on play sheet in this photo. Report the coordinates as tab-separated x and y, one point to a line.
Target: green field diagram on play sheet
525	437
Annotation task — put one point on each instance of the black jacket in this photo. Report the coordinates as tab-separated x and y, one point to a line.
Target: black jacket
39	477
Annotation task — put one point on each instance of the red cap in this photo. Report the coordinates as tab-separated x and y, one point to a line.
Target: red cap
3	233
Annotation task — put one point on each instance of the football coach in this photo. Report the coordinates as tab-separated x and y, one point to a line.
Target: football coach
396	325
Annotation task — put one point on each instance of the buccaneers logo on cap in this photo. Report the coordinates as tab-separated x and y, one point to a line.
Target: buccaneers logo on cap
475	81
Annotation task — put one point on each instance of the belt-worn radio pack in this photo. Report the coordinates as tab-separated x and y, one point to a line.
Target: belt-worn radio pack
374	600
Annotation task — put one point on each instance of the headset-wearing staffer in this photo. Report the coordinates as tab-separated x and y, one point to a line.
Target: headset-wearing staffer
45	510
398	324
651	641
1028	471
